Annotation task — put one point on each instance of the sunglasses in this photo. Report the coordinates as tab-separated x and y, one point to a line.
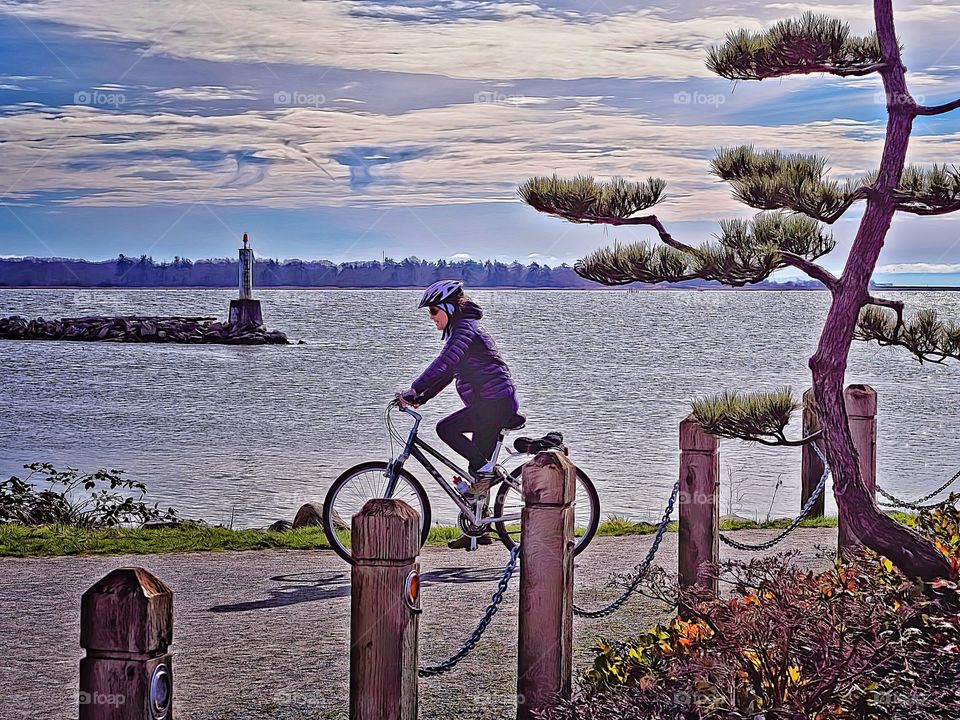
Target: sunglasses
435	311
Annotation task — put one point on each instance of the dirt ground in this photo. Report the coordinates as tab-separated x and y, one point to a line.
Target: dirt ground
266	634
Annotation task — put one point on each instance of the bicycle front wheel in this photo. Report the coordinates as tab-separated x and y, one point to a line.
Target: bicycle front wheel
350	492
586	505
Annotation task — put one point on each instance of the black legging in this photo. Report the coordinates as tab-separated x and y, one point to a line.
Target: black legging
484	420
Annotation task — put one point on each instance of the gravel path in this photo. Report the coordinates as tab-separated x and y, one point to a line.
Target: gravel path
266	634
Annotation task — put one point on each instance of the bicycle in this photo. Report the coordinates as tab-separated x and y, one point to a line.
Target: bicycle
378	479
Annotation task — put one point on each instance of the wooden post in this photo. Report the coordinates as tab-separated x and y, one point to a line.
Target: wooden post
383	625
545	651
699	537
126	626
860	402
811	469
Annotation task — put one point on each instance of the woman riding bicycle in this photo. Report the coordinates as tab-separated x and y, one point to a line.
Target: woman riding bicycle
483	382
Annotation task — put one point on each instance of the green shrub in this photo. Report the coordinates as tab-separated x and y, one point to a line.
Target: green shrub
76	500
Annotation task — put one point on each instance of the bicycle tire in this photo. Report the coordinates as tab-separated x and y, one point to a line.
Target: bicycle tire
583	482
327	519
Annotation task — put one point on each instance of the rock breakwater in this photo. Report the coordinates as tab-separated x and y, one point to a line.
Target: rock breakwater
139	329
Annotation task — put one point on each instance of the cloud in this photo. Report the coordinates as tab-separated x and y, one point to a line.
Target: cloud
206	92
301	157
457	257
521	43
920	267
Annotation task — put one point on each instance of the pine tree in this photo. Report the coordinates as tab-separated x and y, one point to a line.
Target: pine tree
796	201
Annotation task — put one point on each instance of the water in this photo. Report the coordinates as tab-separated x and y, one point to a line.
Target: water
250	433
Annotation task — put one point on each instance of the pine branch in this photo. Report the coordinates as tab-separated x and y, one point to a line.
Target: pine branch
758	417
746	252
585	200
933	191
636	262
813	43
772	180
937	109
772	241
926	336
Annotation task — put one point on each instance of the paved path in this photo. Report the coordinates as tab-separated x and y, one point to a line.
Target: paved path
266	634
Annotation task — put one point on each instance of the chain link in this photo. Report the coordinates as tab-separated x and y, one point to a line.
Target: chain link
641	571
804	511
918	503
488	614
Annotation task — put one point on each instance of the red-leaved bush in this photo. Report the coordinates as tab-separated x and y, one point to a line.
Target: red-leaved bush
857	641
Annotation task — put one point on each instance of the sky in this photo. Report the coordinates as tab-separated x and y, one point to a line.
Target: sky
349	130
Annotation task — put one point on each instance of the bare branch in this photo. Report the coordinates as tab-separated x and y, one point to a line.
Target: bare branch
937	109
817	272
909	207
895	305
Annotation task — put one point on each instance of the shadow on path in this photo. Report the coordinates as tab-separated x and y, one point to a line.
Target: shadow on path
310	587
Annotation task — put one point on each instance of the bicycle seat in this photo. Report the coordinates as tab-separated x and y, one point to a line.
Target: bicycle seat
550	441
515	423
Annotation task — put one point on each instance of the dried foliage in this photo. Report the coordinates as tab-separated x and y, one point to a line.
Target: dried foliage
925	335
812	43
760	416
772	180
583	199
857	641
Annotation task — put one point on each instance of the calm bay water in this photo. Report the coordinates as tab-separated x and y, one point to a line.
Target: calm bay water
252	432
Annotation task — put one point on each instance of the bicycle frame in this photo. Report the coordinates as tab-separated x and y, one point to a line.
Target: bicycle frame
415	448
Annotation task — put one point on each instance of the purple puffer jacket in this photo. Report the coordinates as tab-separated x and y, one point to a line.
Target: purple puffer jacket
470	356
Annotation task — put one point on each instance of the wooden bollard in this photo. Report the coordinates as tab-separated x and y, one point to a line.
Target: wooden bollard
384	611
126	627
860	402
811	469
699	537
545	651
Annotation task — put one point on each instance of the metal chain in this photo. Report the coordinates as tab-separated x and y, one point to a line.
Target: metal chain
917	504
641	571
488	614
804	511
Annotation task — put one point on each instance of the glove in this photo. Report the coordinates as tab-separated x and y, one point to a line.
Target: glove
409	396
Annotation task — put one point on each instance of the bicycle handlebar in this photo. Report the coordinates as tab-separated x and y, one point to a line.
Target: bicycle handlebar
403	407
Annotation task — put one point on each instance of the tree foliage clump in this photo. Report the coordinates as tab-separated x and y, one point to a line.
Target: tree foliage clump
926	335
760	417
585	200
810	44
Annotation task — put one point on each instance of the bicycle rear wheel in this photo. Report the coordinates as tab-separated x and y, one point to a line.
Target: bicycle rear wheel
586	517
350	492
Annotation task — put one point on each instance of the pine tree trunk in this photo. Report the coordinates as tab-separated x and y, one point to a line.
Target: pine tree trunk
912	554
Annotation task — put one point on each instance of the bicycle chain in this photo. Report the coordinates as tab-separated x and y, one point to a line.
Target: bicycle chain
917	504
804	511
641	571
471	642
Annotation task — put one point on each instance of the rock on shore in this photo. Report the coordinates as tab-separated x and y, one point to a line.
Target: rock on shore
139	329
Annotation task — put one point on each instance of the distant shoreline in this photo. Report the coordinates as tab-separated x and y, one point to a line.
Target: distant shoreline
599	288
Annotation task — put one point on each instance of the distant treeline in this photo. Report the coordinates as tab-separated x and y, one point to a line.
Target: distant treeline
223	272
